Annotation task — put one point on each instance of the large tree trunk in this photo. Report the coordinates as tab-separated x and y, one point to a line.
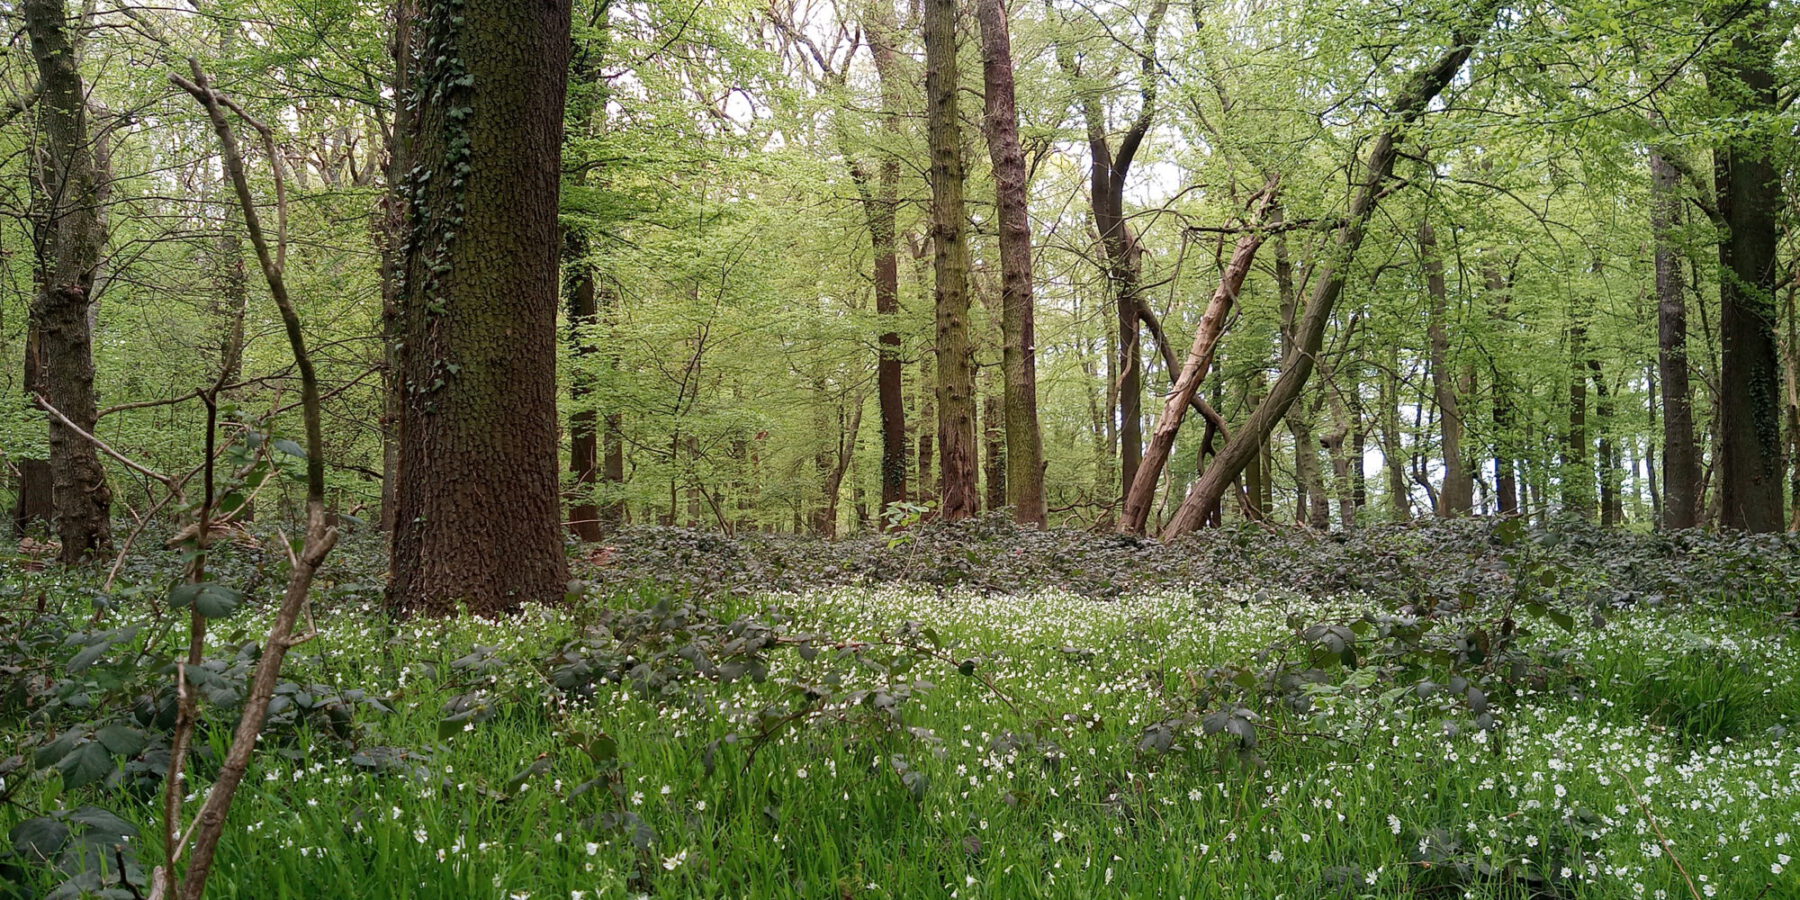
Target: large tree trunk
70	240
1681	452
957	453
1406	106
1749	190
1457	496
1024	439
479	507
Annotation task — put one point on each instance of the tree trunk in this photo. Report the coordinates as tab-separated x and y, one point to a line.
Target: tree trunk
1681	452
1748	185
479	498
1612	509
1024	439
883	213
1506	479
584	436
71	238
1123	257
950	267
1142	490
1406	106
1457	496
1577	474
1393	453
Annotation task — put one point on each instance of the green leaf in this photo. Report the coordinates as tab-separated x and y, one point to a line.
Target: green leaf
212	599
102	823
88	656
288	447
122	739
39	838
87	764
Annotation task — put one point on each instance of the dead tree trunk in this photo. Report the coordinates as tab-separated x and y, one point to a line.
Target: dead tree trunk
1142	492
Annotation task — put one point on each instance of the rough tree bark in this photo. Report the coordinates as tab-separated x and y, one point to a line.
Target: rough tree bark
70	240
1406	106
479	498
1748	184
1024	440
957	454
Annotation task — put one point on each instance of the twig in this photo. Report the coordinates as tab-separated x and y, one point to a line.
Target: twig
1667	845
102	446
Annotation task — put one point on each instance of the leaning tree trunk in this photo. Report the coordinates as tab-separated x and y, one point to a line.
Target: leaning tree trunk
70	240
478	501
1142	492
1018	364
1748	184
957	463
1407	105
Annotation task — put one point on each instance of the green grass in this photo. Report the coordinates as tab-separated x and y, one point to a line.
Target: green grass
1672	748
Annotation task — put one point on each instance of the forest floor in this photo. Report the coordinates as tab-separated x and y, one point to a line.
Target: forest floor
1543	732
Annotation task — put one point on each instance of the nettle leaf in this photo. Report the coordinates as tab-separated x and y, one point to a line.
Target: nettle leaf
212	599
39	838
85	765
